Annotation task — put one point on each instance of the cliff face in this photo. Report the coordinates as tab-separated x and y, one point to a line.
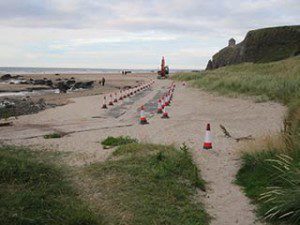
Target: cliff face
263	45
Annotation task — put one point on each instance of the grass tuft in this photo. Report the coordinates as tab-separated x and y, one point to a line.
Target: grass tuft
53	135
117	141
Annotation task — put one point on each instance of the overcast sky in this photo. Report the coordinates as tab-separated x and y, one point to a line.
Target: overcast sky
130	34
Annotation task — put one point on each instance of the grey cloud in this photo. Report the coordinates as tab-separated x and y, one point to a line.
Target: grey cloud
176	16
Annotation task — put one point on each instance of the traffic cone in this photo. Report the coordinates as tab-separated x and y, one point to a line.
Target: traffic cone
110	100
116	97
166	100
165	114
207	141
163	105
121	95
104	106
159	107
143	119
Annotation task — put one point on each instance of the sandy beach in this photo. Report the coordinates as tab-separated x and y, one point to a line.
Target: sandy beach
86	124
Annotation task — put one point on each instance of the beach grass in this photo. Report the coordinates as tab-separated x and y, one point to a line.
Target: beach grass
279	81
148	184
35	191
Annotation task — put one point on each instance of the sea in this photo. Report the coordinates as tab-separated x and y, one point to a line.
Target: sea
41	70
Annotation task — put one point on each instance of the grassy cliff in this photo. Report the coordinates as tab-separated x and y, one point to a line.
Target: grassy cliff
260	46
279	81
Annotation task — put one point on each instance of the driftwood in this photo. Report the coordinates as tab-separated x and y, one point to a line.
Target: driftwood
228	135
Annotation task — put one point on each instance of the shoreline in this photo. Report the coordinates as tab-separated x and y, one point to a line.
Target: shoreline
29	101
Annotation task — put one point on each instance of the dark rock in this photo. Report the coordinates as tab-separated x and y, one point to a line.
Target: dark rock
70	82
39	82
62	87
209	65
6	77
84	85
49	83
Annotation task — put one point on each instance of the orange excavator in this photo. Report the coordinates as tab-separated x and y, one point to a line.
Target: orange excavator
164	71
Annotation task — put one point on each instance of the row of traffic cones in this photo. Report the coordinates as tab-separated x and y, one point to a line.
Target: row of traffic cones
163	102
125	93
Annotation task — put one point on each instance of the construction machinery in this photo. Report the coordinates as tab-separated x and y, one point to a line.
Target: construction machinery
163	73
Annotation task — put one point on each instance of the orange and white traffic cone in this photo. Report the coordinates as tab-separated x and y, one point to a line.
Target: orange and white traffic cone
159	107
110	100
121	95
166	100
162	103
143	119
165	114
207	141
104	106
116	97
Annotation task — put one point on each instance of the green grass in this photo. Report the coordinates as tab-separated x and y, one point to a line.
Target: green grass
279	81
34	191
273	181
148	184
270	177
53	135
117	141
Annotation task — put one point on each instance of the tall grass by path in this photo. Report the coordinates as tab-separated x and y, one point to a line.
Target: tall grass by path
279	81
34	191
148	184
270	176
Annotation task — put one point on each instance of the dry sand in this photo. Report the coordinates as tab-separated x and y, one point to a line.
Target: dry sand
190	111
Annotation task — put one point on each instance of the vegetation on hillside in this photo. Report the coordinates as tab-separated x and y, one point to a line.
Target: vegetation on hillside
148	184
34	191
279	81
260	46
271	175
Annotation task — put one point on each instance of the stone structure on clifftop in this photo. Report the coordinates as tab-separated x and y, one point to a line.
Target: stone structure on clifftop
231	42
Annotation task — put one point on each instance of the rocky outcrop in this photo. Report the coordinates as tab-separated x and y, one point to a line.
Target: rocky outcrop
17	107
6	77
62	84
259	46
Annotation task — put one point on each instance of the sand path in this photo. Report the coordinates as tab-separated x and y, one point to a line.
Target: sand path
190	111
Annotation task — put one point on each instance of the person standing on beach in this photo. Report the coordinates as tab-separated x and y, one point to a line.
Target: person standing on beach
103	81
